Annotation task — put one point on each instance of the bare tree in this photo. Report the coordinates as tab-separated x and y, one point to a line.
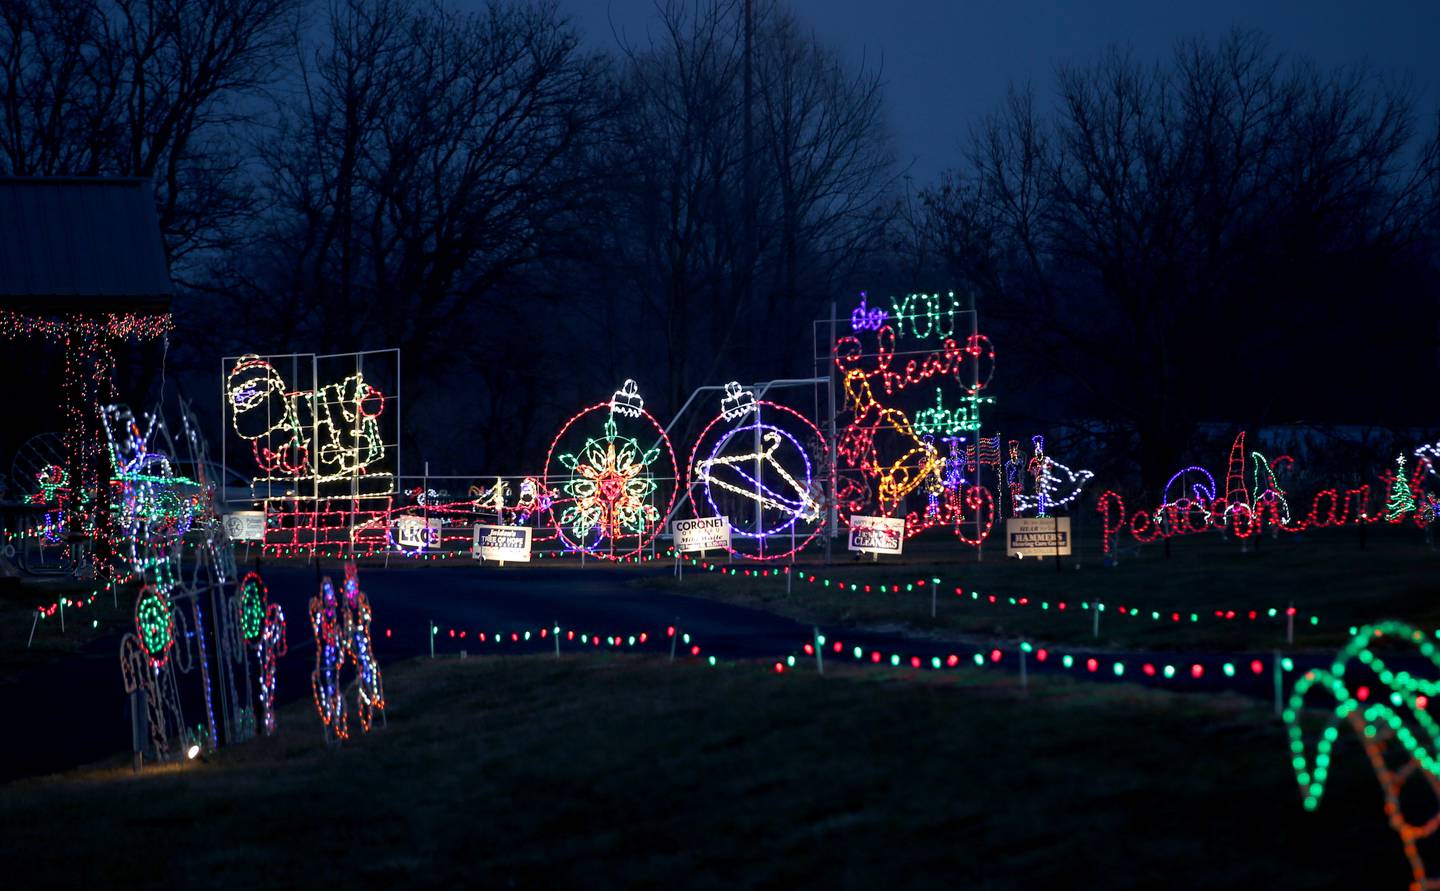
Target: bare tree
1152	239
790	203
152	88
432	158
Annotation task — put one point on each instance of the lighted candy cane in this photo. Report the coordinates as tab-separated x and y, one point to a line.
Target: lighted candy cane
1387	709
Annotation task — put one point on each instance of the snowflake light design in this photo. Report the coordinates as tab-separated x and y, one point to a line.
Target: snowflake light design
611	488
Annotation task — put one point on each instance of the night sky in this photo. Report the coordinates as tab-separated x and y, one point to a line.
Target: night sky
948	62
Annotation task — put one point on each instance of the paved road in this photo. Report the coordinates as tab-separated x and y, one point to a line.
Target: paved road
73	711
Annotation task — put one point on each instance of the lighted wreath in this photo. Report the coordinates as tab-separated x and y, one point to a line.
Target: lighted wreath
155	625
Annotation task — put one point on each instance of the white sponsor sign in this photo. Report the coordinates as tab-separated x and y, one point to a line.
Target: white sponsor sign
417	532
1037	537
702	534
877	535
508	544
245	525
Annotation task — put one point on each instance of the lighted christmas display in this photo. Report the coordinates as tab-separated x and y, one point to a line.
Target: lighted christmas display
752	464
168	535
341	627
894	453
1254	499
613	490
89	342
1402	500
317	436
263	626
1055	485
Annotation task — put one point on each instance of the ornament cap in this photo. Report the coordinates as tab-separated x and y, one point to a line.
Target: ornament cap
627	401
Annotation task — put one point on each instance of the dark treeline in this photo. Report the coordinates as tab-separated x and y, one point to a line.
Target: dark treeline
1222	235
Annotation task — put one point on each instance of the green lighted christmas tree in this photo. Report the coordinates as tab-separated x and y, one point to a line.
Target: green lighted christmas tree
1401	501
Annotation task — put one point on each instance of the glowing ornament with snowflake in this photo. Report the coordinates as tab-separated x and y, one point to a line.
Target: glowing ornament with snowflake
609	499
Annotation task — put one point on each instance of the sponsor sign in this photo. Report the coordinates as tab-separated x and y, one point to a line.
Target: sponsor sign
507	544
418	533
877	535
245	525
1037	537
702	534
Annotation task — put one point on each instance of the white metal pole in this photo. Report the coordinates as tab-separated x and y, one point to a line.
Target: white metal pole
1279	681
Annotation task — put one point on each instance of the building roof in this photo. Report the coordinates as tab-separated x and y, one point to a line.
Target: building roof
81	245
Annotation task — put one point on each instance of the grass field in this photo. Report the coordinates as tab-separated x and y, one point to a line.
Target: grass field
607	772
17	619
1325	573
